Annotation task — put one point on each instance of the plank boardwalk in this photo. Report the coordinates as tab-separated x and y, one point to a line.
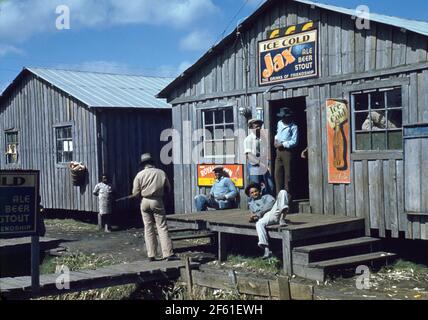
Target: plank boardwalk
135	272
7	245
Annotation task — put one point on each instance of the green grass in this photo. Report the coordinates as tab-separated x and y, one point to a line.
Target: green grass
76	261
272	265
70	225
403	265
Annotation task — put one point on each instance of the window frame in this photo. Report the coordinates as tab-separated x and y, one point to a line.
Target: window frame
56	128
385	108
215	124
6	133
348	89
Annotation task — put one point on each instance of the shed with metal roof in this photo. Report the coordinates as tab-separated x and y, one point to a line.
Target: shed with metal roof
50	117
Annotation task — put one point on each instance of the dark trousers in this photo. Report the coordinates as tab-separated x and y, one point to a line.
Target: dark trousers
282	170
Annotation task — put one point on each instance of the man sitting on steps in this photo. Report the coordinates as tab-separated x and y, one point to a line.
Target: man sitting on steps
265	212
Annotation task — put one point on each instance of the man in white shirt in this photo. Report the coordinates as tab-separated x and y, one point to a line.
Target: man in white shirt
286	140
256	151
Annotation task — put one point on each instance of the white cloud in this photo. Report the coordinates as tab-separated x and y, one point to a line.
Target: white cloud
8	49
197	40
21	19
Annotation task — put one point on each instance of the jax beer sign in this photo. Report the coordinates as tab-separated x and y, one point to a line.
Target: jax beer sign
289	54
19	192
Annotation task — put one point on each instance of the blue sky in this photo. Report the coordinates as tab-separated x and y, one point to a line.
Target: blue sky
149	37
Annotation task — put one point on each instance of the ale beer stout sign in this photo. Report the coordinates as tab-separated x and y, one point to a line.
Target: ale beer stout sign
19	192
338	141
289	54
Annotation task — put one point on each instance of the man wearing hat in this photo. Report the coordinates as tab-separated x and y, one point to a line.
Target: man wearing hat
255	148
151	184
222	195
286	140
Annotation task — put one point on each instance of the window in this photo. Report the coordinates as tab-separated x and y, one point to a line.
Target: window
11	147
64	144
219	135
377	119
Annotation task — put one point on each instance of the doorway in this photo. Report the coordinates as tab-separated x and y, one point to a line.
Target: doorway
299	185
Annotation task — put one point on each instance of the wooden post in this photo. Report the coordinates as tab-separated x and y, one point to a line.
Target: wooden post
284	288
189	278
286	253
35	262
222	246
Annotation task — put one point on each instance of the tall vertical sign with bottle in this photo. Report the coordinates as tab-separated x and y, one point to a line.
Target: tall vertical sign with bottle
338	146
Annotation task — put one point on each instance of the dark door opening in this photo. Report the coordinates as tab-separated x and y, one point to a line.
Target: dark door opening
299	186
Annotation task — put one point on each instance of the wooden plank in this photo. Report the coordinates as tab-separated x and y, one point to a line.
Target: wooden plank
327	187
373	176
402	218
284	288
287	262
348	45
178	161
370	52
222	246
387	183
413	99
324	48
413	183
384	47
334	43
392	189
388	155
416	227
398	47
424	175
360	52
359	189
423	97
314	150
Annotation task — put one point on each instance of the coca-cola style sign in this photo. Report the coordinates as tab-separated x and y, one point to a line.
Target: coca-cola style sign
338	147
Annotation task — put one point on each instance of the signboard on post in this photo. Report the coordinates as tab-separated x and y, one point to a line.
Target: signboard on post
19	191
339	170
289	54
206	177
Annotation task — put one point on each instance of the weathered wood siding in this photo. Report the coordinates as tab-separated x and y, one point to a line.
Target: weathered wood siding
124	136
348	56
343	50
33	109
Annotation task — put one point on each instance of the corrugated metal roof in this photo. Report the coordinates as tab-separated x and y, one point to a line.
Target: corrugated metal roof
103	90
420	27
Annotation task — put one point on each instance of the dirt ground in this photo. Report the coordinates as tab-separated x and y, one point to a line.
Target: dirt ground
403	280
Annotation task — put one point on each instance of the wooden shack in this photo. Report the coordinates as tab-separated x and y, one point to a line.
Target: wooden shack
104	121
361	62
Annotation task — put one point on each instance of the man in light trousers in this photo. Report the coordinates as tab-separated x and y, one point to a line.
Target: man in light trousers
151	184
280	208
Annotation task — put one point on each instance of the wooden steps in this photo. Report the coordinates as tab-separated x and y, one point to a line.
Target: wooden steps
311	253
316	261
